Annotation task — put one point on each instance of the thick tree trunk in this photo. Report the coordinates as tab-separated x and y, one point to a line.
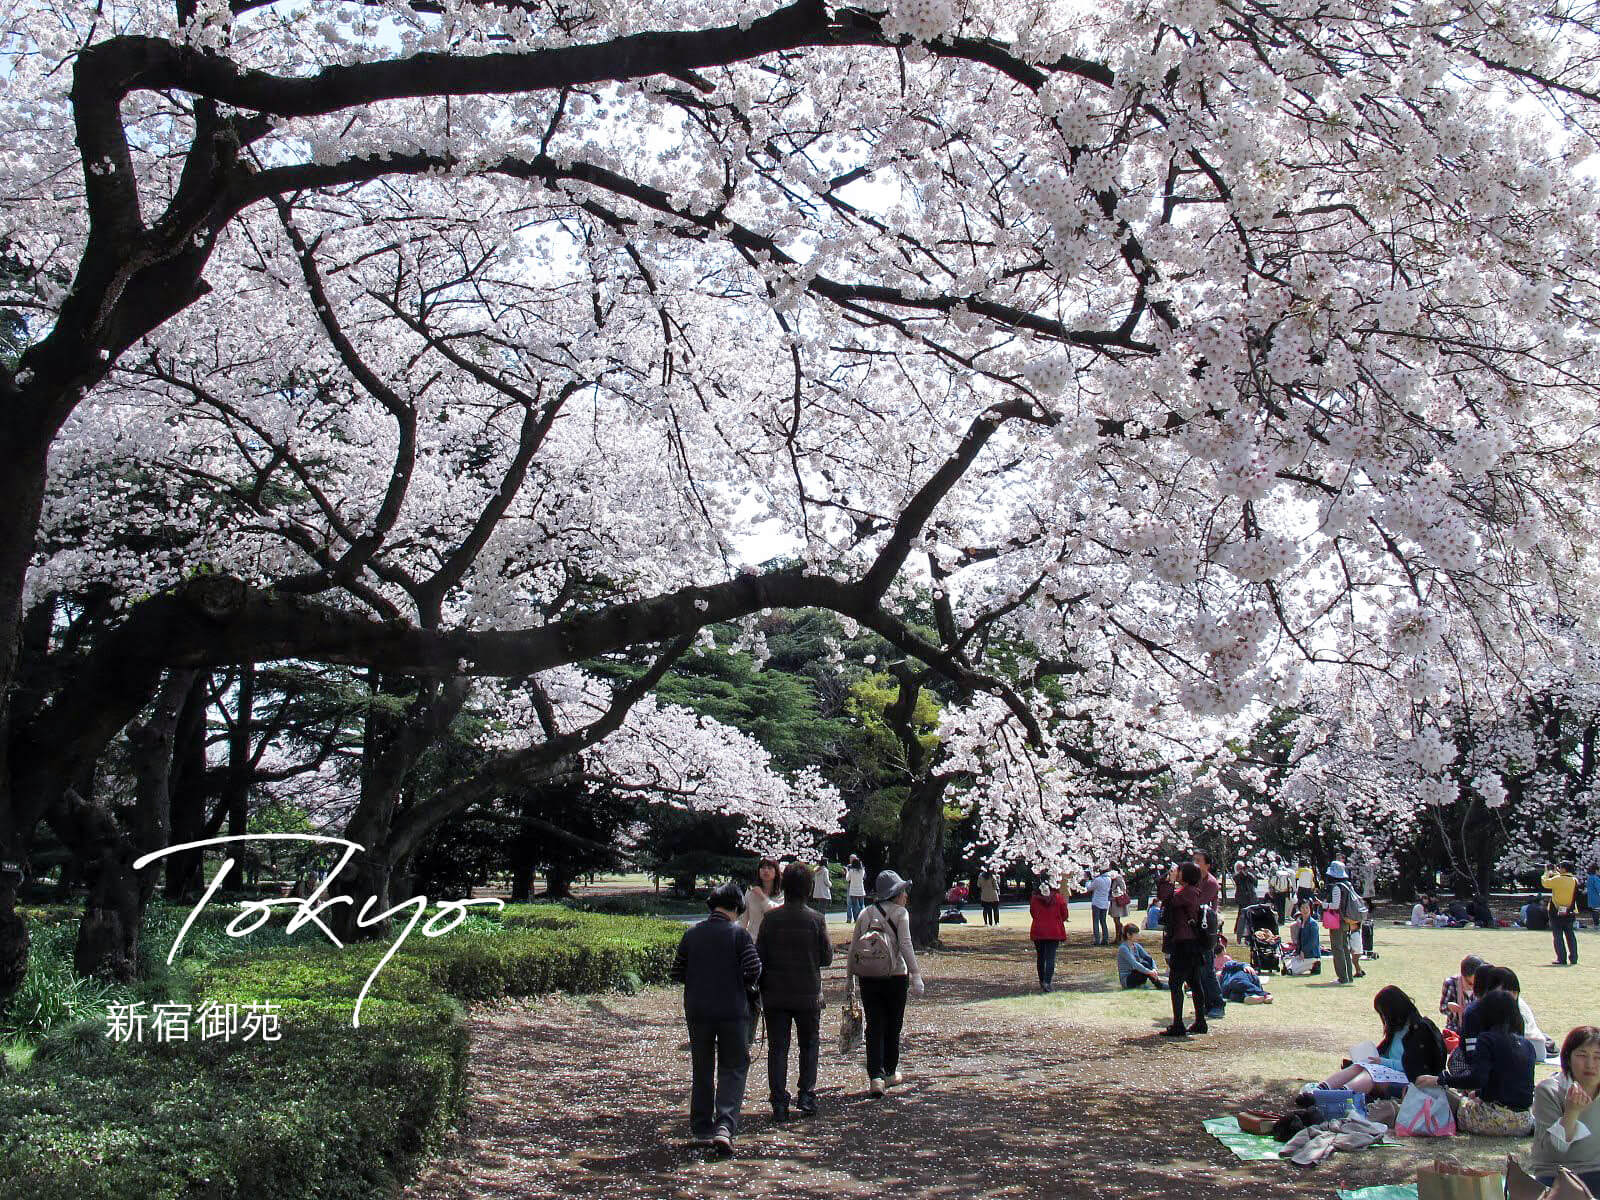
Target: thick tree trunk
24	450
919	856
108	938
558	882
521	882
189	795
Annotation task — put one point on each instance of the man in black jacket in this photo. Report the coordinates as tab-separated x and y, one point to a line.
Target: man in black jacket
718	965
794	947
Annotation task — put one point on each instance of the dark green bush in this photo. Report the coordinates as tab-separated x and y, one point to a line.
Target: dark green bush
329	1110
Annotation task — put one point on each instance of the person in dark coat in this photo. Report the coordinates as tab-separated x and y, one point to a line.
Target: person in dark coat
718	966
794	947
1187	948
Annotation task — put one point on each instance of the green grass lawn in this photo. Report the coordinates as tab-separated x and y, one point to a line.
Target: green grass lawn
1312	1021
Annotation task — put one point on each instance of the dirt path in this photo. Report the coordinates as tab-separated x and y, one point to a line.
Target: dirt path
588	1097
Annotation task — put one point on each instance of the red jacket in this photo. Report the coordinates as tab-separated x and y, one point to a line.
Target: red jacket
1049	918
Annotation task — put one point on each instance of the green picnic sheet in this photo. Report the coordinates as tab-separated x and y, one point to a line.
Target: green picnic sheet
1252	1147
1383	1191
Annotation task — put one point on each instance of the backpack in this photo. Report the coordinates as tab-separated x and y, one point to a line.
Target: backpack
1352	907
1208	922
874	948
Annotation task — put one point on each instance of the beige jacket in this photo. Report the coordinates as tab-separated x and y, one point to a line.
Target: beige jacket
1551	1150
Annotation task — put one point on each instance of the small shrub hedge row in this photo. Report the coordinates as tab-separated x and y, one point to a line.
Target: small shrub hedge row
328	1111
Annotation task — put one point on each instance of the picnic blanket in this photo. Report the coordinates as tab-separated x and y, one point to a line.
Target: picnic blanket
1383	1191
1252	1147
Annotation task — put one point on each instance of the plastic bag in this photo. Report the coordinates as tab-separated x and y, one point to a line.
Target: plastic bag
1425	1112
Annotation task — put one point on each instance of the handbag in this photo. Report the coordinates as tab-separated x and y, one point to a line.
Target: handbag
1331	919
851	1019
1522	1186
1447	1179
1425	1112
1121	900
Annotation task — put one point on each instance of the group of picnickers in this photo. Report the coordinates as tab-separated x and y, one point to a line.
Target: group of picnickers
757	959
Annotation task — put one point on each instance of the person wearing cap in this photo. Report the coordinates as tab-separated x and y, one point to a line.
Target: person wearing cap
883	997
718	966
1344	966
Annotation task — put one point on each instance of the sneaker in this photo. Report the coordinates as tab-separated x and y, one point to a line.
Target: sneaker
1216	1014
875	1087
806	1105
1174	1031
701	1139
722	1143
895	1080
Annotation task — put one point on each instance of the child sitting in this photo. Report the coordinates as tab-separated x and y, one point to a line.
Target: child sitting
1135	967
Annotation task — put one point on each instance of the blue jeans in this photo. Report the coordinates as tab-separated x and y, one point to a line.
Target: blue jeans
1102	930
1212	986
720	1054
853	907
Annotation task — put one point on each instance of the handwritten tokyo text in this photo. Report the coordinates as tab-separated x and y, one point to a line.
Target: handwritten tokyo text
256	913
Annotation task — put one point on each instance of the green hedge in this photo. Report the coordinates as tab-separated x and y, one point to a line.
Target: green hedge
329	1111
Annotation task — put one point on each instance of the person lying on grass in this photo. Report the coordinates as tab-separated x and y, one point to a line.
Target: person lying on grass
1239	980
1135	967
1493	1095
1412	1046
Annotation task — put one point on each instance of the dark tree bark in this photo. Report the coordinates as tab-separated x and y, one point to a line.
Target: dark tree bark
558	881
108	938
919	856
521	882
190	794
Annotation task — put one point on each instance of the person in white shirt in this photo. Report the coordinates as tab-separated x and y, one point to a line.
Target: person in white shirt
763	894
855	879
821	887
1100	906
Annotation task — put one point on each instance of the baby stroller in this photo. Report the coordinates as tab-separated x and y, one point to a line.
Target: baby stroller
1258	924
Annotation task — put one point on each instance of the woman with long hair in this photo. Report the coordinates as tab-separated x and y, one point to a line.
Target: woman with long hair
1493	1092
1412	1047
763	895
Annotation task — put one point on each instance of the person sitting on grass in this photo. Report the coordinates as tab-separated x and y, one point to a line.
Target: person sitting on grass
1135	967
1566	1117
1411	1045
1543	1046
1238	980
1458	992
1493	1095
1305	941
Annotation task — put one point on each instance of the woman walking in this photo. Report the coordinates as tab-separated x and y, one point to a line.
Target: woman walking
1048	908
884	963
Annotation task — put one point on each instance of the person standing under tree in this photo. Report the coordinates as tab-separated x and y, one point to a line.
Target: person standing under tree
989	897
718	967
1563	889
1592	887
1100	906
1185	943
855	889
762	896
821	888
1339	926
794	947
1210	893
1048	908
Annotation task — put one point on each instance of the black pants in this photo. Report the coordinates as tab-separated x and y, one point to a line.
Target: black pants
1366	938
883	1003
1189	966
991	912
720	1052
807	1023
1565	939
1045	953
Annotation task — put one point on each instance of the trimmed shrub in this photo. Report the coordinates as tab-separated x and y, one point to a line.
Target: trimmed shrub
328	1111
